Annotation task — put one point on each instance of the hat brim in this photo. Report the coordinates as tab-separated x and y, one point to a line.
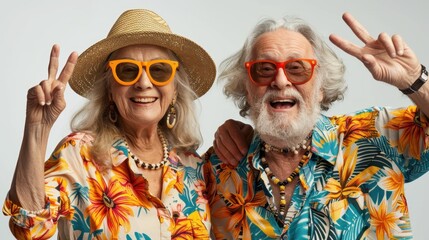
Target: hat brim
197	63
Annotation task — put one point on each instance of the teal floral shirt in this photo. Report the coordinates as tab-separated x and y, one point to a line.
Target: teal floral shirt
351	188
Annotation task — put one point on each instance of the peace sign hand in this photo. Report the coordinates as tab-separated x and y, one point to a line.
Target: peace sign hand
389	59
45	101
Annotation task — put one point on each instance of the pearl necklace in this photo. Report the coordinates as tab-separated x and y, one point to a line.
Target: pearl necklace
151	166
295	149
282	184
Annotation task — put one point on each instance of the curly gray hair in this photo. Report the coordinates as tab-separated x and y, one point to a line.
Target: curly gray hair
330	71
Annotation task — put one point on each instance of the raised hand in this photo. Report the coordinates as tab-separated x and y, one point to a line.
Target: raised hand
45	101
388	58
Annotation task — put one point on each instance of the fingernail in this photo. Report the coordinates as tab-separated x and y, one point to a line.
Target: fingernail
48	103
42	103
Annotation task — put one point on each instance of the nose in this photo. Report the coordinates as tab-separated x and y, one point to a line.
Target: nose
280	80
144	81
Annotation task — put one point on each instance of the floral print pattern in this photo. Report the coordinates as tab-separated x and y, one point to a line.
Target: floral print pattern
115	204
352	187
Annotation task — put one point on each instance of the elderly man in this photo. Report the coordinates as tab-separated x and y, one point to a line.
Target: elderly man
306	175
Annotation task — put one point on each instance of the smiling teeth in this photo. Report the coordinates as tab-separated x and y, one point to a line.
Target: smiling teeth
283	101
144	100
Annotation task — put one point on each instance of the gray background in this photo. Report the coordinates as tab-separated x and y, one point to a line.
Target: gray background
30	28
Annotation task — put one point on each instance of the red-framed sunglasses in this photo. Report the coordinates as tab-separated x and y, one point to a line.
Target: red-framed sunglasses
298	71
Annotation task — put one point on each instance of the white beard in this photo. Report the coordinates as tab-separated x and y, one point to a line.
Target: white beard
279	129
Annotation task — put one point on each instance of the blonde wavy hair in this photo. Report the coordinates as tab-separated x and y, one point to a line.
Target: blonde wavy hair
93	118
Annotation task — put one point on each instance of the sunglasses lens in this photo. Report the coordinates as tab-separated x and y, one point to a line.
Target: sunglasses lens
263	72
161	71
127	72
299	71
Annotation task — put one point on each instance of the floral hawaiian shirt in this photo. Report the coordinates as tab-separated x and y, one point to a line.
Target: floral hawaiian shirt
351	188
84	203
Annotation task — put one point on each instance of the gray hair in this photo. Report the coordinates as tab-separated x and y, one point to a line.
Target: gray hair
330	71
93	118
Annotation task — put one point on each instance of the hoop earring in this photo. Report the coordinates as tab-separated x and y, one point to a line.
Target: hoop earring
113	115
171	116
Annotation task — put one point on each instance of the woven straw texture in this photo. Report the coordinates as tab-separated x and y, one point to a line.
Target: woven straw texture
141	26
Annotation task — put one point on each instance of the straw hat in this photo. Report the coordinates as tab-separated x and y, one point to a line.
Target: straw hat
141	26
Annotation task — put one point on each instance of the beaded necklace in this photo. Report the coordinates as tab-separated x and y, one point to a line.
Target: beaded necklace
151	166
294	150
282	184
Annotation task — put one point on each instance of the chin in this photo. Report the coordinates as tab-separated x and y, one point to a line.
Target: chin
286	128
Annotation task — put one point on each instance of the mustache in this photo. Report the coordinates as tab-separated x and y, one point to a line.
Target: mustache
271	95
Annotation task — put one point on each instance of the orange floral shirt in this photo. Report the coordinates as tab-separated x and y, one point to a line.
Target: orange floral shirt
83	203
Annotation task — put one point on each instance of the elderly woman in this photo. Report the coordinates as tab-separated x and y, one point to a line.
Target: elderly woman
129	170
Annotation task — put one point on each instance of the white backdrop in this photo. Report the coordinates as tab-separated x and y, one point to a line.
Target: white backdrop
30	28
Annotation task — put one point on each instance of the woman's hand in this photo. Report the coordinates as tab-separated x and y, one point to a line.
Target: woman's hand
45	101
388	58
232	140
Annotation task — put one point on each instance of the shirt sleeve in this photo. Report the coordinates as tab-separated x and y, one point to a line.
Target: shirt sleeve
59	175
406	132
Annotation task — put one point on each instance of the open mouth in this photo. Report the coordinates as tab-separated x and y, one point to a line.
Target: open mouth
144	99
283	103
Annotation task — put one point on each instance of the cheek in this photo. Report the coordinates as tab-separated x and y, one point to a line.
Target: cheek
118	94
120	104
167	94
253	93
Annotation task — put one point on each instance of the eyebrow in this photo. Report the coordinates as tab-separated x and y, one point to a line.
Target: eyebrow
275	55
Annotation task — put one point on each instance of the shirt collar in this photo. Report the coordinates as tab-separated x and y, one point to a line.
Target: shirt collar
118	152
324	142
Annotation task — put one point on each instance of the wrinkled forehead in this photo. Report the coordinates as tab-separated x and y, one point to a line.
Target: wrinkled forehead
282	44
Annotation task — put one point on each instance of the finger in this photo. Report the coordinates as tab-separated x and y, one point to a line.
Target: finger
346	46
219	153
235	136
358	29
67	71
58	92
399	44
247	133
386	41
226	147
371	63
224	155
46	89
37	93
53	62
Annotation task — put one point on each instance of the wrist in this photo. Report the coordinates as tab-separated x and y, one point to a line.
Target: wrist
418	83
